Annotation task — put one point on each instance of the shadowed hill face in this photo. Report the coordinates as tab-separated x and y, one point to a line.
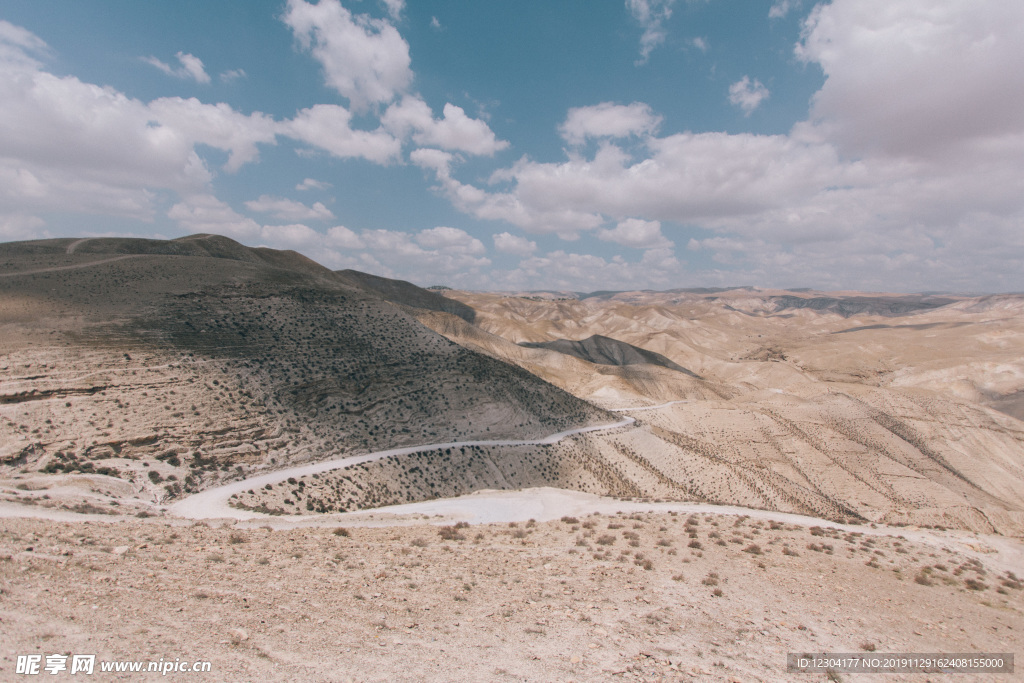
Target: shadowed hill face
408	294
863	305
606	351
172	365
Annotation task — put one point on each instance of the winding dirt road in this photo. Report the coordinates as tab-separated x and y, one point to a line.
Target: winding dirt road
213	503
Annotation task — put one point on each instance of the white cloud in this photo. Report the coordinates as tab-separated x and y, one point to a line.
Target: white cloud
451	240
312	184
650	14
718	244
17	44
683	178
217	125
700	43
341	237
636	233
435	24
394	8
191	67
456	131
780	8
327	126
71	146
908	174
364	59
289	210
586	272
21	227
232	75
608	120
748	95
424	256
432	159
514	244
201	213
918	78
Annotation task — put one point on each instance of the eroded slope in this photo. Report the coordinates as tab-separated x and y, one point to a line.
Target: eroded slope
136	371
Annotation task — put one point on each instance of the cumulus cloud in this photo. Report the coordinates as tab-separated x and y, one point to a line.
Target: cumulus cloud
343	238
200	213
312	184
650	14
747	94
423	256
781	8
216	125
19	226
918	78
433	159
907	174
328	126
67	145
451	240
394	8
508	243
191	67
608	120
17	45
364	59
636	233
455	131
232	75
581	272
289	210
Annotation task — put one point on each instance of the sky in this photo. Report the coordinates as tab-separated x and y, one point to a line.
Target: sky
564	145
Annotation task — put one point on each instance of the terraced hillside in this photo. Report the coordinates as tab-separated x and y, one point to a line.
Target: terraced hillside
137	371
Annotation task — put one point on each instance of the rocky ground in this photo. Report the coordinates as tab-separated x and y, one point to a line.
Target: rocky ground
602	597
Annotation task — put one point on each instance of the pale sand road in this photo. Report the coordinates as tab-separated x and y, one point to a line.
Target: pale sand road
213	503
635	410
74	245
540	504
77	266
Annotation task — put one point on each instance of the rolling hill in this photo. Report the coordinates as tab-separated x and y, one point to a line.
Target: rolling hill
137	371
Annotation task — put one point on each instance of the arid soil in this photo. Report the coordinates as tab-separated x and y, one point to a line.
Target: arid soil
900	409
137	374
604	597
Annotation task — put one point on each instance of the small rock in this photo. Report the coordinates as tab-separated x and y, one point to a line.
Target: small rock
238	635
120	550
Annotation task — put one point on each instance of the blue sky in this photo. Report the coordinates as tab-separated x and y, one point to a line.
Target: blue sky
854	144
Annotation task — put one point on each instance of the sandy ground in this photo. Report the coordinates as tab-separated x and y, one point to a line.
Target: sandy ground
631	596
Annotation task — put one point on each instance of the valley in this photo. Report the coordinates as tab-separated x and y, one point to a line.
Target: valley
322	474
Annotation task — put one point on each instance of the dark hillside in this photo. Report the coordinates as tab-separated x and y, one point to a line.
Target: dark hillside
174	364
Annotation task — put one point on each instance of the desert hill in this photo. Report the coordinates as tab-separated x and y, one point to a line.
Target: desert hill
408	294
605	351
893	408
136	371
